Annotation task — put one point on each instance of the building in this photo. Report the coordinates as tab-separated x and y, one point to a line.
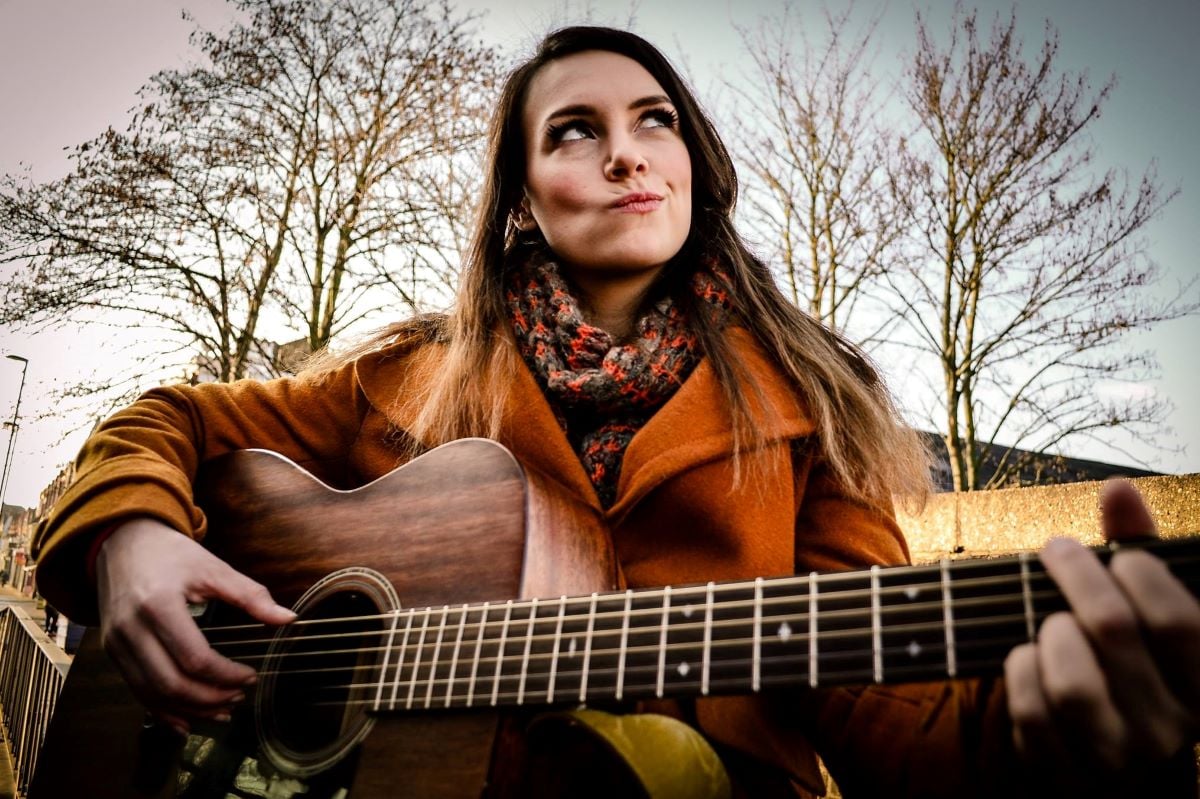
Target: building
1035	468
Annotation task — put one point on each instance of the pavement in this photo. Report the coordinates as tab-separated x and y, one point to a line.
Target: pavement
11	596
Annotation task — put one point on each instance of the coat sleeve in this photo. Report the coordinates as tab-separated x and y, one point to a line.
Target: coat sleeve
142	461
937	739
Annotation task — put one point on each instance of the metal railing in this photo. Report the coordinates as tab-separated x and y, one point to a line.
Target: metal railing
32	671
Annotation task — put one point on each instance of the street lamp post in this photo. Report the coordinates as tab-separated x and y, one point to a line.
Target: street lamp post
12	431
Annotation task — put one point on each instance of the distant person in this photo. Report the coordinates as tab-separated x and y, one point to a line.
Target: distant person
51	620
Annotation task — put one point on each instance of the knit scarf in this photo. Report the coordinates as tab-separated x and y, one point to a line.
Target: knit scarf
603	392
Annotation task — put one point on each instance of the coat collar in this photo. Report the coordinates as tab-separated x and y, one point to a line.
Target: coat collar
692	428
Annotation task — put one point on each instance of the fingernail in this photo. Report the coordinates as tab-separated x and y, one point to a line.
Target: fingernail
251	680
222	717
238	697
181	730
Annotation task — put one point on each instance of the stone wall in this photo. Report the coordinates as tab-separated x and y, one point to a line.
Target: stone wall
981	523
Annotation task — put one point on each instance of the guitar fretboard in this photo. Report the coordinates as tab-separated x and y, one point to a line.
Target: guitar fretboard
895	624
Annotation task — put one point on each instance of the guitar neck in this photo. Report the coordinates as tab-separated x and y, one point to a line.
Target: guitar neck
894	624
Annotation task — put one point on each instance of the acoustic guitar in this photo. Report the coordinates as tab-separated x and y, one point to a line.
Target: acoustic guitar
444	605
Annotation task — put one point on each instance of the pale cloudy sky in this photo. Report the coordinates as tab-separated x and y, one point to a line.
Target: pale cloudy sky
69	68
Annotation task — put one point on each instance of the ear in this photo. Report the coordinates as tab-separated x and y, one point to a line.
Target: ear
522	217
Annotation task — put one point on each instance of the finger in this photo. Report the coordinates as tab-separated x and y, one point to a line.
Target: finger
1123	512
226	583
1034	733
192	653
163	686
1170	618
1106	618
1077	692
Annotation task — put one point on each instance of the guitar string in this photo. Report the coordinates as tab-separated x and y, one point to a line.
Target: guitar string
681	646
698	591
681	628
893	668
962	584
795	673
721	685
647	612
829	616
938	646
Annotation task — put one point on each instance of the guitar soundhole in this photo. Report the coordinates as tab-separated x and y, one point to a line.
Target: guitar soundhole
321	674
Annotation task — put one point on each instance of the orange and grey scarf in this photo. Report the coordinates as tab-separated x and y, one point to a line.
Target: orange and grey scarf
603	392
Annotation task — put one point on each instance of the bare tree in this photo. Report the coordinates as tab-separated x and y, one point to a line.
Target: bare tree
817	159
282	180
1029	262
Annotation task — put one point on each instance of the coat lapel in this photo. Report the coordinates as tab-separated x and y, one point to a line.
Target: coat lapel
694	426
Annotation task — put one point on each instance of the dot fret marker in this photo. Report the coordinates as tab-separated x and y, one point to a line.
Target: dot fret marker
785	632
683	669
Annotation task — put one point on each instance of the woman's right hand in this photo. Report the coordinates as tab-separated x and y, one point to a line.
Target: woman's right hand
146	574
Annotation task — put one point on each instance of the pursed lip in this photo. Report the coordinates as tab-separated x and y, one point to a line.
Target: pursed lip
637	197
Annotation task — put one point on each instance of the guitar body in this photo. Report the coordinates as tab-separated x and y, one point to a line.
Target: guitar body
462	524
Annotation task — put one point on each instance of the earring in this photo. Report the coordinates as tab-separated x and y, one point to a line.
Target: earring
522	218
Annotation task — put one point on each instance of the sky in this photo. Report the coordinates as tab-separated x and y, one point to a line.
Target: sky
70	68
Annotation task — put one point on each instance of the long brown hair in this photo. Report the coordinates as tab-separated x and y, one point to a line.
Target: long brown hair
860	434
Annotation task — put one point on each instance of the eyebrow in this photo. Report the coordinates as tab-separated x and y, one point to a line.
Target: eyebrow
587	110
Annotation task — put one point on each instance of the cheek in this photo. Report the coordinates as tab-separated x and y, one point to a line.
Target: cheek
560	192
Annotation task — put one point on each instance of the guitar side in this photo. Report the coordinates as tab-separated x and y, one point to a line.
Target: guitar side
461	524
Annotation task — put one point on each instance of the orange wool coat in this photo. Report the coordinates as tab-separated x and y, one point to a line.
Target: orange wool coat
675	520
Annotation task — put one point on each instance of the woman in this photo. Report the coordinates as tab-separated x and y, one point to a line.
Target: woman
613	331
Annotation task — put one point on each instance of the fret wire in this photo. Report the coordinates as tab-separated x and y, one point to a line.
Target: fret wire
412	683
662	642
733	684
1162	548
525	657
757	645
812	629
562	606
400	662
698	589
457	646
948	619
500	652
624	643
478	652
1027	597
387	656
587	648
733	643
789	678
727	623
708	621
876	632
437	648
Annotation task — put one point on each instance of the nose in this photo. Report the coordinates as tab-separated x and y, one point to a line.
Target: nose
625	158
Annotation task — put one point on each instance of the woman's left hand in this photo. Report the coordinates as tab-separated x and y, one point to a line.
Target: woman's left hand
1111	690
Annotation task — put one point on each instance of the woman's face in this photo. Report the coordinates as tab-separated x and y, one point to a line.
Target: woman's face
608	178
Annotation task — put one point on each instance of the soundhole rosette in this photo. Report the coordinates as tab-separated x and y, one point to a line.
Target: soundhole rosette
320	675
